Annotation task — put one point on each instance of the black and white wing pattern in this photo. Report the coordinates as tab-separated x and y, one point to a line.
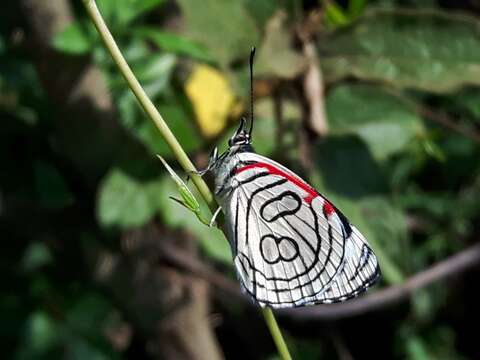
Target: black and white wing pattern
291	246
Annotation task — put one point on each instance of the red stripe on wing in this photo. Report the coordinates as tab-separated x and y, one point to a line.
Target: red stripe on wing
312	193
328	208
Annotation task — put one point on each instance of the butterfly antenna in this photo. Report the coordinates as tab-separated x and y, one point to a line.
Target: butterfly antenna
252	54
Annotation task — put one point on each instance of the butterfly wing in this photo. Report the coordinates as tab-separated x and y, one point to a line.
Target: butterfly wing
291	246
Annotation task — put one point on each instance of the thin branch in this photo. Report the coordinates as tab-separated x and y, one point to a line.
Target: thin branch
313	87
277	335
146	103
454	264
171	140
444	120
184	260
389	296
440	118
220	281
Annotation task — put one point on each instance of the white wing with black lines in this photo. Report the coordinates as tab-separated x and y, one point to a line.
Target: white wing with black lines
291	246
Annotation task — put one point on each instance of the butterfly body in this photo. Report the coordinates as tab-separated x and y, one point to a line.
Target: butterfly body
291	246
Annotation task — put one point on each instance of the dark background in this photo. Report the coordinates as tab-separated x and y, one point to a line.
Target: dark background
376	103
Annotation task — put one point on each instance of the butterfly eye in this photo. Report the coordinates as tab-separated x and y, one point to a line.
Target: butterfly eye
240	136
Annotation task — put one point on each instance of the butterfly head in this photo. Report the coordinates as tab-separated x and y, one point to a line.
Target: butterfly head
241	136
239	142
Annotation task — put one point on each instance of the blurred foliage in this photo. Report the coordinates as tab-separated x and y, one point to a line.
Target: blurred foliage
409	184
387	125
439	52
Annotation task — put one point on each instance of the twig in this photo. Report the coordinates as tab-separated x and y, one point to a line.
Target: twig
186	261
314	91
277	335
219	280
444	120
171	140
313	85
146	103
452	265
440	118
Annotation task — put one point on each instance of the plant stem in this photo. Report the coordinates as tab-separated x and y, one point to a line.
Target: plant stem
276	334
146	103
172	142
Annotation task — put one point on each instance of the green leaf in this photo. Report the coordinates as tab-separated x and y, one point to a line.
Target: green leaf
123	201
466	101
417	349
36	255
224	27
175	43
156	66
73	40
52	191
424	304
264	141
79	348
42	333
87	314
174	113
432	149
108	10
154	73
426	50
356	7
388	226
136	51
188	199
120	13
335	14
347	175
276	56
383	121
347	167
129	10
3	47
212	240
180	124
437	204
263	10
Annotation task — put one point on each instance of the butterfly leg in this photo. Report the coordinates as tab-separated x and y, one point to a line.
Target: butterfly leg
211	162
197	172
214	217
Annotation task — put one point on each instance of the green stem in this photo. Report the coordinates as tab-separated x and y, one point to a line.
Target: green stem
171	141
276	333
146	103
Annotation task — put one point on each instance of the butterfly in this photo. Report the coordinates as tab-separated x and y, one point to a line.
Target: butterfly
291	246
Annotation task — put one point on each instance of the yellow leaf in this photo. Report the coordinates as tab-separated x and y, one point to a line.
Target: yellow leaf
212	98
